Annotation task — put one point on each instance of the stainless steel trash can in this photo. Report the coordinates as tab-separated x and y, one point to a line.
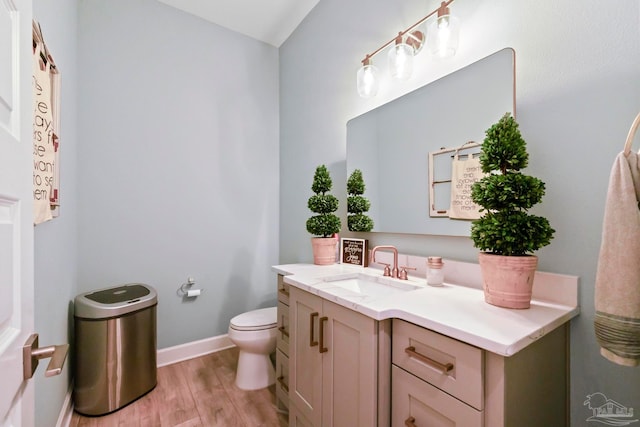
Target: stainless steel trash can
115	347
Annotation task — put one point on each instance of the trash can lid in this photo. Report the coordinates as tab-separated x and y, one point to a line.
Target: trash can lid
119	294
114	301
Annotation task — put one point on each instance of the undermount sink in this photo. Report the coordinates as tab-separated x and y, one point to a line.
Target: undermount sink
369	285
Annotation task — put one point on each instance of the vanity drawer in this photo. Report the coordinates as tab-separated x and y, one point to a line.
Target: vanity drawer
451	365
283	290
282	377
282	339
416	403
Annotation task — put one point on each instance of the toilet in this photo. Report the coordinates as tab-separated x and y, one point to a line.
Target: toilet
254	332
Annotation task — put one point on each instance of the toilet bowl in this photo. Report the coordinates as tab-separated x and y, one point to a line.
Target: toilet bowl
254	332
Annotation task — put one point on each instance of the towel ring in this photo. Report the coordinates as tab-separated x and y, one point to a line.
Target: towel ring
632	132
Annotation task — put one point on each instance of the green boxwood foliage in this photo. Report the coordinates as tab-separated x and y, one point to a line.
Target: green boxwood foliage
357	204
325	223
506	194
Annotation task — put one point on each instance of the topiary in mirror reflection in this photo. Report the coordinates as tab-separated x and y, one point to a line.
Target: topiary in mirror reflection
357	204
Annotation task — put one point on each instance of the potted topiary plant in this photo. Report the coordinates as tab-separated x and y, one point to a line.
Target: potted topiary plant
506	233
357	204
325	224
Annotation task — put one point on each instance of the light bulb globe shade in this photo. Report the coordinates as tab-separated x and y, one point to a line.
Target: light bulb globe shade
368	81
443	35
401	61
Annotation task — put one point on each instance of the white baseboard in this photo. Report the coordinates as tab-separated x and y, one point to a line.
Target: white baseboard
178	353
64	419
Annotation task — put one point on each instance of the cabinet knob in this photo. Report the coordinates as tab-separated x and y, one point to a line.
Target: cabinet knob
410	422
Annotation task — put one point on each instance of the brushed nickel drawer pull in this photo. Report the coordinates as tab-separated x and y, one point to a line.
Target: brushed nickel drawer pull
411	351
283	291
322	349
282	383
410	422
283	331
312	341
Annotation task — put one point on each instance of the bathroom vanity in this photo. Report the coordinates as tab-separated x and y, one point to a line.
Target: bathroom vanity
367	350
360	349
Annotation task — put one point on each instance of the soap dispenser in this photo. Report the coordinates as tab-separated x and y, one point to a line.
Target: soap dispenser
435	275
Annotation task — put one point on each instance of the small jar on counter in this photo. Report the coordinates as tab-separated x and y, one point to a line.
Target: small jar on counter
435	275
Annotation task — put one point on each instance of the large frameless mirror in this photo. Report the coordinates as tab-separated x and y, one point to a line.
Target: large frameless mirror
391	143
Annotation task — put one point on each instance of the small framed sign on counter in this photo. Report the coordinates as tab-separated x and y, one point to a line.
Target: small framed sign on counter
354	251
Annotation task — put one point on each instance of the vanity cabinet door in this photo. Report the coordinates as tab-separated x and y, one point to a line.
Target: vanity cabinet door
416	403
305	360
333	364
350	363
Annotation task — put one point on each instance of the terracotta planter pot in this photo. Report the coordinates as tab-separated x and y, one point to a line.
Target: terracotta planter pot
508	280
324	250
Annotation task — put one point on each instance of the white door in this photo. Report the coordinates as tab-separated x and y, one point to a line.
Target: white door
16	210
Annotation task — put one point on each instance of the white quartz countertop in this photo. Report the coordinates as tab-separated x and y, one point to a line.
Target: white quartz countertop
456	311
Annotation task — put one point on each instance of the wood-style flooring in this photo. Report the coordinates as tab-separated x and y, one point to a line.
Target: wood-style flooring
193	393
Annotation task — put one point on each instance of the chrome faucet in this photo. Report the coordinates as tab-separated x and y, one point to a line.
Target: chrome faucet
393	272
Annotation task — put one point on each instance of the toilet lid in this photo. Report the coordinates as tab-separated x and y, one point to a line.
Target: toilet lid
263	318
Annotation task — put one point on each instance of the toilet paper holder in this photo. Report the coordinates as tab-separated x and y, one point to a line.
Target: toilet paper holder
187	290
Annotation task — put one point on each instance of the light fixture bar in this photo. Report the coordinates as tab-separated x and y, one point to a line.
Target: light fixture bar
442	8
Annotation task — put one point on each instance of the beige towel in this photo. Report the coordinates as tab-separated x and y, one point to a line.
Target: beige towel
617	292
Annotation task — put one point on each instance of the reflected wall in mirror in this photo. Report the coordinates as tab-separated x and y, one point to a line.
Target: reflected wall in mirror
391	143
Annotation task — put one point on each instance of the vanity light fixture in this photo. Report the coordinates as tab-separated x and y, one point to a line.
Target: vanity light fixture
441	37
368	81
401	59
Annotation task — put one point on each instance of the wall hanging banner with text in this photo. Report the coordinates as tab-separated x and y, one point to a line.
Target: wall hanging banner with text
464	173
45	139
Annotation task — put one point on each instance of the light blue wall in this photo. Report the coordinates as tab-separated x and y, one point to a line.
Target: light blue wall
577	89
178	129
169	155
56	241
